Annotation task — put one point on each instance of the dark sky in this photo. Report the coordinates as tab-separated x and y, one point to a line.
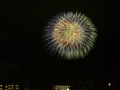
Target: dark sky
21	26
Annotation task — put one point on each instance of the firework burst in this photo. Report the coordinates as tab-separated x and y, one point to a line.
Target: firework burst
69	35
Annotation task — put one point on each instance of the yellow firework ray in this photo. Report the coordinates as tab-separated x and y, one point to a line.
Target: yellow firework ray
70	35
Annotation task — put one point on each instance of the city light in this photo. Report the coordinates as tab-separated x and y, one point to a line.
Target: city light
109	84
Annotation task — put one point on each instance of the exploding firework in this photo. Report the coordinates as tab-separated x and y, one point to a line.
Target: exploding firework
70	35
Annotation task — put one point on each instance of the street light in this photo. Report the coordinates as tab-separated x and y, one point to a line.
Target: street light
109	84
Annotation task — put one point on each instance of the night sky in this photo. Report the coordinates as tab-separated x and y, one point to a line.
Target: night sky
21	26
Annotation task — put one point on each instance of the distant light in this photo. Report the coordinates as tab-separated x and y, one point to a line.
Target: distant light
1	85
6	86
9	85
67	88
109	84
17	86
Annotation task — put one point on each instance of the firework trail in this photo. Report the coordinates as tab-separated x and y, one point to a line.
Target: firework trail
69	35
